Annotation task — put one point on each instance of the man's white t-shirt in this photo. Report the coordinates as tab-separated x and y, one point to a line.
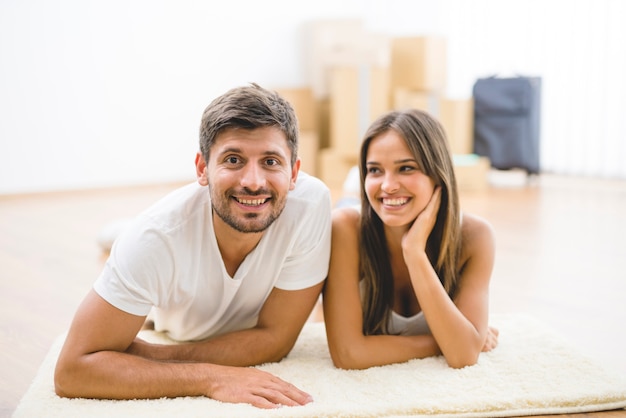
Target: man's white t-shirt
168	261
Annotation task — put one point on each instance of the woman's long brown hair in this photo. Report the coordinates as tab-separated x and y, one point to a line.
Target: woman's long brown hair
427	141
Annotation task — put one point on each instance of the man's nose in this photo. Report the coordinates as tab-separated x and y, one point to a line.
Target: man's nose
252	177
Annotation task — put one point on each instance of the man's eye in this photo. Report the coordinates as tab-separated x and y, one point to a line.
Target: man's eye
272	161
232	160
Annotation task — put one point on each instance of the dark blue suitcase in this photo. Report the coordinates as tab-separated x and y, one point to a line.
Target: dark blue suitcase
507	118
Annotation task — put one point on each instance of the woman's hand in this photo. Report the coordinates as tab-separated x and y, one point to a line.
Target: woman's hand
492	339
419	232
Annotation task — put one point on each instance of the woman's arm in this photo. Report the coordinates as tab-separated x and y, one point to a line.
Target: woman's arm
349	348
460	327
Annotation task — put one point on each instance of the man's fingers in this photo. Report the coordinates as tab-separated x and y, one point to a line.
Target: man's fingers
284	393
258	388
261	402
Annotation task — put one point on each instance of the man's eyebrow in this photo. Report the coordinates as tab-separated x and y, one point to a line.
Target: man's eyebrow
270	152
229	150
236	150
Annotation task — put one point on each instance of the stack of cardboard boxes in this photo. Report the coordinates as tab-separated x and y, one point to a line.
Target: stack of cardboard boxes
355	76
349	69
309	145
418	80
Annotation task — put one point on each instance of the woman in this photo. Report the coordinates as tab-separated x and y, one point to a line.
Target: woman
409	275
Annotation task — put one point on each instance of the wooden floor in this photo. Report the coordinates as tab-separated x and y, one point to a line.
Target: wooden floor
561	256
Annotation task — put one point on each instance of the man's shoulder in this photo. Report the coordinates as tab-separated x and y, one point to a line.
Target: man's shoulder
179	197
309	187
181	205
309	201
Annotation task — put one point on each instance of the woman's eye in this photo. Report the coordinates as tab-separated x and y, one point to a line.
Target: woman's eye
372	170
407	168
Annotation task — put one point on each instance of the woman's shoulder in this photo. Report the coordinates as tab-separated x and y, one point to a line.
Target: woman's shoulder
477	233
346	219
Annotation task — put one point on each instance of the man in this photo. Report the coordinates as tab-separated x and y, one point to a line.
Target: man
231	266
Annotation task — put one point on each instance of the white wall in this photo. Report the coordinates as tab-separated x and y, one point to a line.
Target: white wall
104	93
100	93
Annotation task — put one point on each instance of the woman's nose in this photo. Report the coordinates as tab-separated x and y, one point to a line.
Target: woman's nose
390	184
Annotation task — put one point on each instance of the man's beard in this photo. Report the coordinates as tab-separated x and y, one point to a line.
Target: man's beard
253	222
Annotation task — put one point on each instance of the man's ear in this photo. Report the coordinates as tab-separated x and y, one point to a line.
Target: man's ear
203	180
294	174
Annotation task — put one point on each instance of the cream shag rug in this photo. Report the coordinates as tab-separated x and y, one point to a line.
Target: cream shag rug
531	372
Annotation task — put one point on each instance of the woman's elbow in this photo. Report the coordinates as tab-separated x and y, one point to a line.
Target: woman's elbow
62	383
463	359
345	359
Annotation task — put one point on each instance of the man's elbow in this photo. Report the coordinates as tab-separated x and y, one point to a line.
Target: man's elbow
280	351
274	357
66	382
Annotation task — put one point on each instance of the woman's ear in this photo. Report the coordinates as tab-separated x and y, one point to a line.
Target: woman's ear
201	174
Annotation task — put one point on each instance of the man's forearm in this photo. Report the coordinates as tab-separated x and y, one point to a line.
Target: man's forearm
114	375
243	348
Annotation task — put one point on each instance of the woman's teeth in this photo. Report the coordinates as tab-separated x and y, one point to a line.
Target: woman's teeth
395	202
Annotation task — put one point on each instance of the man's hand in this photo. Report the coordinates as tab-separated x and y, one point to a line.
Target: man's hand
254	386
236	384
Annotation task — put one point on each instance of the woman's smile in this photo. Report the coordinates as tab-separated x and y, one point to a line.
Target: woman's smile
395	201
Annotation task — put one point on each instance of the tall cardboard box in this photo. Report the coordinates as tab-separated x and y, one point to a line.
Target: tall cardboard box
358	95
333	167
308	151
322	107
419	63
333	43
344	110
457	118
303	102
428	101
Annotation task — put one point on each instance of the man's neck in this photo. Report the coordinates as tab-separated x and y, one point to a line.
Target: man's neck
234	246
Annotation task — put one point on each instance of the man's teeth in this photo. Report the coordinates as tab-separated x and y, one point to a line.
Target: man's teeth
251	202
395	202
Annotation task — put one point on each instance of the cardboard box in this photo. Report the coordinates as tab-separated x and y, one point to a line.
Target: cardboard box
428	101
457	118
456	115
323	121
308	149
358	95
419	63
304	104
344	134
472	172
339	43
333	167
